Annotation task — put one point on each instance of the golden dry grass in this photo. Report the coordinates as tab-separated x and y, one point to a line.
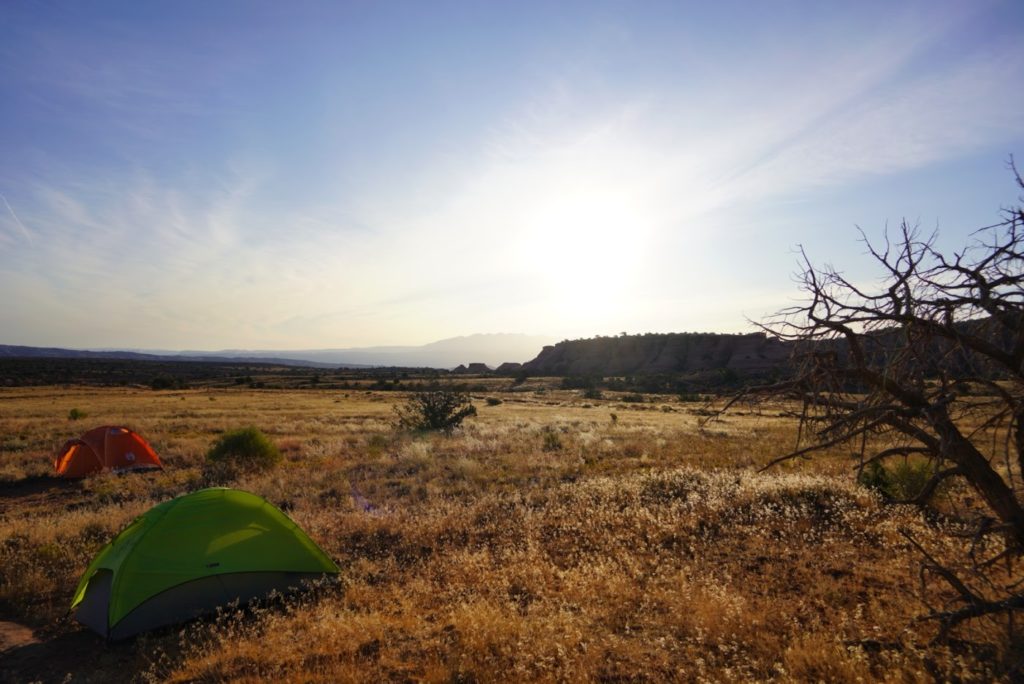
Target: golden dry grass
544	541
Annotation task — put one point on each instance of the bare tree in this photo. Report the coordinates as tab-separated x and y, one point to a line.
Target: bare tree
927	364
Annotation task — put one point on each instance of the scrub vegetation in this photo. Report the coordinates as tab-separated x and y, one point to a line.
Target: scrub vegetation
553	536
440	410
244	449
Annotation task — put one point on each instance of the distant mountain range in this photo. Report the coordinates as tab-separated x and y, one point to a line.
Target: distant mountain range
491	349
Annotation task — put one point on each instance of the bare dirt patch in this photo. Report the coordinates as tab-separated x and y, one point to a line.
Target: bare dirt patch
13	635
77	656
41	492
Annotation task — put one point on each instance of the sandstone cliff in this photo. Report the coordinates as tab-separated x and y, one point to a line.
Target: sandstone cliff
655	354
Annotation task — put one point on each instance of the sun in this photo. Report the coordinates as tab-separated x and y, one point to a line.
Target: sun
588	247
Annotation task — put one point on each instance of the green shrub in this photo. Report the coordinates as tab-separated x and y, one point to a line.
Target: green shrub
493	401
440	410
903	480
75	414
244	449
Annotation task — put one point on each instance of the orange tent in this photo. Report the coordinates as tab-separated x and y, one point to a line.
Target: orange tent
105	448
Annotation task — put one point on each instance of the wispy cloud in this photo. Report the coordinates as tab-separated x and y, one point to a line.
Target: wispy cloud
221	264
933	116
17	221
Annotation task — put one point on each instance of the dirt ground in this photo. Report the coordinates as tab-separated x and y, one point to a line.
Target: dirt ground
28	655
77	656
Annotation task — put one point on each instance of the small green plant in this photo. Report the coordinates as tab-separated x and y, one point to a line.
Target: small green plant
902	481
493	401
246	449
76	414
440	410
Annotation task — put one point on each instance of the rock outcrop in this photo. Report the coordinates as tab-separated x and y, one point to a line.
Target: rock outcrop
669	353
472	369
508	368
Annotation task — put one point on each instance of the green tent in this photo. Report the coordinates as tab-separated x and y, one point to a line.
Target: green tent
185	557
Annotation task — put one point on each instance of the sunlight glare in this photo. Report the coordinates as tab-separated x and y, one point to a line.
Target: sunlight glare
592	243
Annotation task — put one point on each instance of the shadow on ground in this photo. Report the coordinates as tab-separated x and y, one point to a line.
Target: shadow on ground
32	492
78	656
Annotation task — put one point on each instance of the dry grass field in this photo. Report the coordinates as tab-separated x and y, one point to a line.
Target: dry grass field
551	538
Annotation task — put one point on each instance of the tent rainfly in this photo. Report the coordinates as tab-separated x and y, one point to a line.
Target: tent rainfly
105	448
184	557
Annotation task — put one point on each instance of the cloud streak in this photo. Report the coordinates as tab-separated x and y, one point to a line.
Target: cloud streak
934	117
17	221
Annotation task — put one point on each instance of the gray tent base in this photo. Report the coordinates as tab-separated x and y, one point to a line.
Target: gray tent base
183	602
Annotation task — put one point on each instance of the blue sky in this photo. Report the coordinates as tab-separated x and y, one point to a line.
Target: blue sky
308	175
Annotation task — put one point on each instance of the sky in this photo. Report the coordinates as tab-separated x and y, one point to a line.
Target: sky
303	175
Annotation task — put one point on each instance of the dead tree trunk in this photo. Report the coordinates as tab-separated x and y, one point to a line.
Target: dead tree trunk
939	346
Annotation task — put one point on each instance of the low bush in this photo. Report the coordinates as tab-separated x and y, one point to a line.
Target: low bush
245	449
902	480
551	440
76	414
440	410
